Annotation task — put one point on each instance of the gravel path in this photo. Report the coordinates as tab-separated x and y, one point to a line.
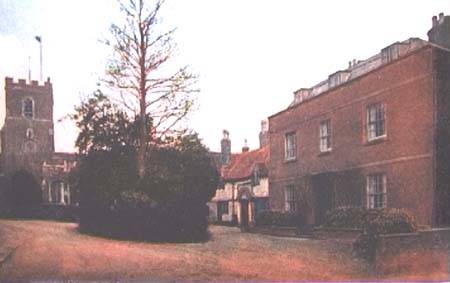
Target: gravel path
56	251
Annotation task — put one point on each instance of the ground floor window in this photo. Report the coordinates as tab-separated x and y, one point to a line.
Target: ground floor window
376	191
261	205
291	199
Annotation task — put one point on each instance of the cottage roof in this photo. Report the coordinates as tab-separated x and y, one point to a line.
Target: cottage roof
242	165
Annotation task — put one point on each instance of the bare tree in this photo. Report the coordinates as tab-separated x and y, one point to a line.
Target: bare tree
140	72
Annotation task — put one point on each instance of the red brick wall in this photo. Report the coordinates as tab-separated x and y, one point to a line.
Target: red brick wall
406	155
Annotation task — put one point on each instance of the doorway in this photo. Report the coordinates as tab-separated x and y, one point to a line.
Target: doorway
323	186
244	213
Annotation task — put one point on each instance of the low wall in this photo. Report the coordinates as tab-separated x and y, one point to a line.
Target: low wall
281	231
389	245
408	251
336	234
67	213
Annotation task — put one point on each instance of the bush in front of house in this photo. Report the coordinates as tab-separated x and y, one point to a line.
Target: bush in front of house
387	220
347	217
168	204
277	218
378	222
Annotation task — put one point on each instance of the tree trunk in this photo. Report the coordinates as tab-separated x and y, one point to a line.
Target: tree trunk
142	99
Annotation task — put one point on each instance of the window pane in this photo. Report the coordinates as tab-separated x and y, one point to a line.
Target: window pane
290	197
325	135
290	144
28	108
376	191
375	121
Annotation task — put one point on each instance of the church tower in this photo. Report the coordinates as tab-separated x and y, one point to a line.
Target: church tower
27	136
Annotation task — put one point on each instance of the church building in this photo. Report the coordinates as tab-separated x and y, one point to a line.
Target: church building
28	143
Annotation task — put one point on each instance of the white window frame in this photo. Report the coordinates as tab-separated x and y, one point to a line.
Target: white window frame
376	121
376	188
24	106
290	197
325	136
290	146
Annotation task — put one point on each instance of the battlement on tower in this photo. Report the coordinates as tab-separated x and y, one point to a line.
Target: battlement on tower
10	83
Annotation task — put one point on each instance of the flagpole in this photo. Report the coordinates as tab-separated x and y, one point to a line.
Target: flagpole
29	68
39	39
40	56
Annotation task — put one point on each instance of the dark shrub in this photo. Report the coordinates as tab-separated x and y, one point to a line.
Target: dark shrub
102	177
23	194
168	204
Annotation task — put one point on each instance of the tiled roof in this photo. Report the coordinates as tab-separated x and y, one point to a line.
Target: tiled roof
241	165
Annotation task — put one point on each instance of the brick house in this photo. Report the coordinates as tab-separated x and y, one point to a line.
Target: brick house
244	189
375	135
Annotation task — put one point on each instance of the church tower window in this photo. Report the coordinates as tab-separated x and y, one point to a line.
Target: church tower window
28	108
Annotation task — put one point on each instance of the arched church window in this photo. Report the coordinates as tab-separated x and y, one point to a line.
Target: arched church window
28	108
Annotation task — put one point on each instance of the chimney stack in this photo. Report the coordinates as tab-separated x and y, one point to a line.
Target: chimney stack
441	18
434	21
225	145
440	31
245	148
264	134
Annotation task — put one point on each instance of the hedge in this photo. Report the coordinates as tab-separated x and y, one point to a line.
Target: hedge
386	221
276	218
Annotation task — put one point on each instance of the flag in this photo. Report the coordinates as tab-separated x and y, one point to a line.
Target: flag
38	38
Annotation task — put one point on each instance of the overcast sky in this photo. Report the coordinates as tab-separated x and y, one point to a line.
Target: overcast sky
250	55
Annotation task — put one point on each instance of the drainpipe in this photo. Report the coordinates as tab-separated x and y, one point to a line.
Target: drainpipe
232	201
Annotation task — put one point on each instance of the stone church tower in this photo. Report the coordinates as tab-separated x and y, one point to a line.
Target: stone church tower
27	136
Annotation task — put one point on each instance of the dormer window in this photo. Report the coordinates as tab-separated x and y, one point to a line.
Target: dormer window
28	108
389	53
338	78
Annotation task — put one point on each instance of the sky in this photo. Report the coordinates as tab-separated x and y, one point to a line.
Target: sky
250	55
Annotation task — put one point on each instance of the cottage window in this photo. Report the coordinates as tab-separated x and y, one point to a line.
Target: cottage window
376	121
376	191
28	108
291	200
222	207
261	205
325	135
290	146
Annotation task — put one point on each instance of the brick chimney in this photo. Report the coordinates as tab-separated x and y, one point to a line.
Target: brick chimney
264	134
440	31
225	145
